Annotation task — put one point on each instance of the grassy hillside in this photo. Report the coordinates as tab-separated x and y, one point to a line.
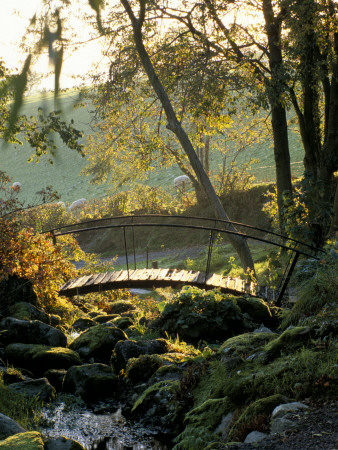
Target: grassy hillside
64	174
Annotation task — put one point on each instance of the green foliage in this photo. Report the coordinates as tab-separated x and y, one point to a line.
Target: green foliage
201	421
255	417
26	411
316	287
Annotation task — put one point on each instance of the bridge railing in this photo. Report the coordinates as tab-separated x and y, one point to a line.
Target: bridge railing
214	227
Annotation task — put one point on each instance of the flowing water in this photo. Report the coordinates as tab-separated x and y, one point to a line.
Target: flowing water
96	429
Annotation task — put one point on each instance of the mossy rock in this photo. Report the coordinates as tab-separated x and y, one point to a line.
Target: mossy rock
40	358
141	369
246	344
91	382
121	307
288	342
158	402
26	311
31	440
255	417
257	309
201	422
98	342
123	322
103	318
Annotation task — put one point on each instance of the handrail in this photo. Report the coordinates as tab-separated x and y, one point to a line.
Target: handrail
293	247
229	222
196	227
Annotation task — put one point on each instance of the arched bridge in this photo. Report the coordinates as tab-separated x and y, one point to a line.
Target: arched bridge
123	235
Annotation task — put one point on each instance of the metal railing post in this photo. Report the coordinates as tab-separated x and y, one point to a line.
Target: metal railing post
211	243
132	225
287	279
125	248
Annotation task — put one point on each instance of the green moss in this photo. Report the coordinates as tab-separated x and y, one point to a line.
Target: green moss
201	421
289	341
166	385
24	410
246	344
32	440
255	417
257	309
282	376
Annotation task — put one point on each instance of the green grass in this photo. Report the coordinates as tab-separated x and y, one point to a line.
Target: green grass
64	175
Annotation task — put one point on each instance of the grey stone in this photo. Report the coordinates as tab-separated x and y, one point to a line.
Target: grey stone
282	417
31	332
282	424
224	427
39	388
8	427
288	408
262	329
254	436
63	443
26	311
83	323
91	382
125	350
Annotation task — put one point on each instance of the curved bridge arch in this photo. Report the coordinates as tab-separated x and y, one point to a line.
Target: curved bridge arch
175	277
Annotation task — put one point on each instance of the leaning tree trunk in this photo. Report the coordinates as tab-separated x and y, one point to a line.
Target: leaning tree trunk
238	242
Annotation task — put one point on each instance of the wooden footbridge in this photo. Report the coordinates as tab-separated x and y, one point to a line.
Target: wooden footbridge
176	278
162	277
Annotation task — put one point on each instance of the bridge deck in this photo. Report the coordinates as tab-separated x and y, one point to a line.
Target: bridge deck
149	278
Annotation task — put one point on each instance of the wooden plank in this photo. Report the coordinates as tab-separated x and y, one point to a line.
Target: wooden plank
210	280
185	277
79	282
135	276
123	276
147	273
162	274
91	280
111	277
170	274
200	278
178	275
100	278
154	274
139	274
194	274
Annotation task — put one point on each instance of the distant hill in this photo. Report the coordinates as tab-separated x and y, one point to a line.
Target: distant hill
64	174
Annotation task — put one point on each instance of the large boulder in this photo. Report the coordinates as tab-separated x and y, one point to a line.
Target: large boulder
30	332
141	369
98	342
91	382
26	311
40	358
83	323
8	427
63	443
39	388
257	309
197	315
120	307
30	440
124	350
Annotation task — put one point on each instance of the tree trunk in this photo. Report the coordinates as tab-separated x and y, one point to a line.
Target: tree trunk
279	122
239	243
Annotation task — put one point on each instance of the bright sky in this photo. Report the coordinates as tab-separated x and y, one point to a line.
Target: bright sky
14	18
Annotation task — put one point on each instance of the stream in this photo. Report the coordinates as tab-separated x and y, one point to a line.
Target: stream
96	427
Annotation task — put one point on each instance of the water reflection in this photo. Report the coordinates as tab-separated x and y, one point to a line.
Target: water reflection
97	431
